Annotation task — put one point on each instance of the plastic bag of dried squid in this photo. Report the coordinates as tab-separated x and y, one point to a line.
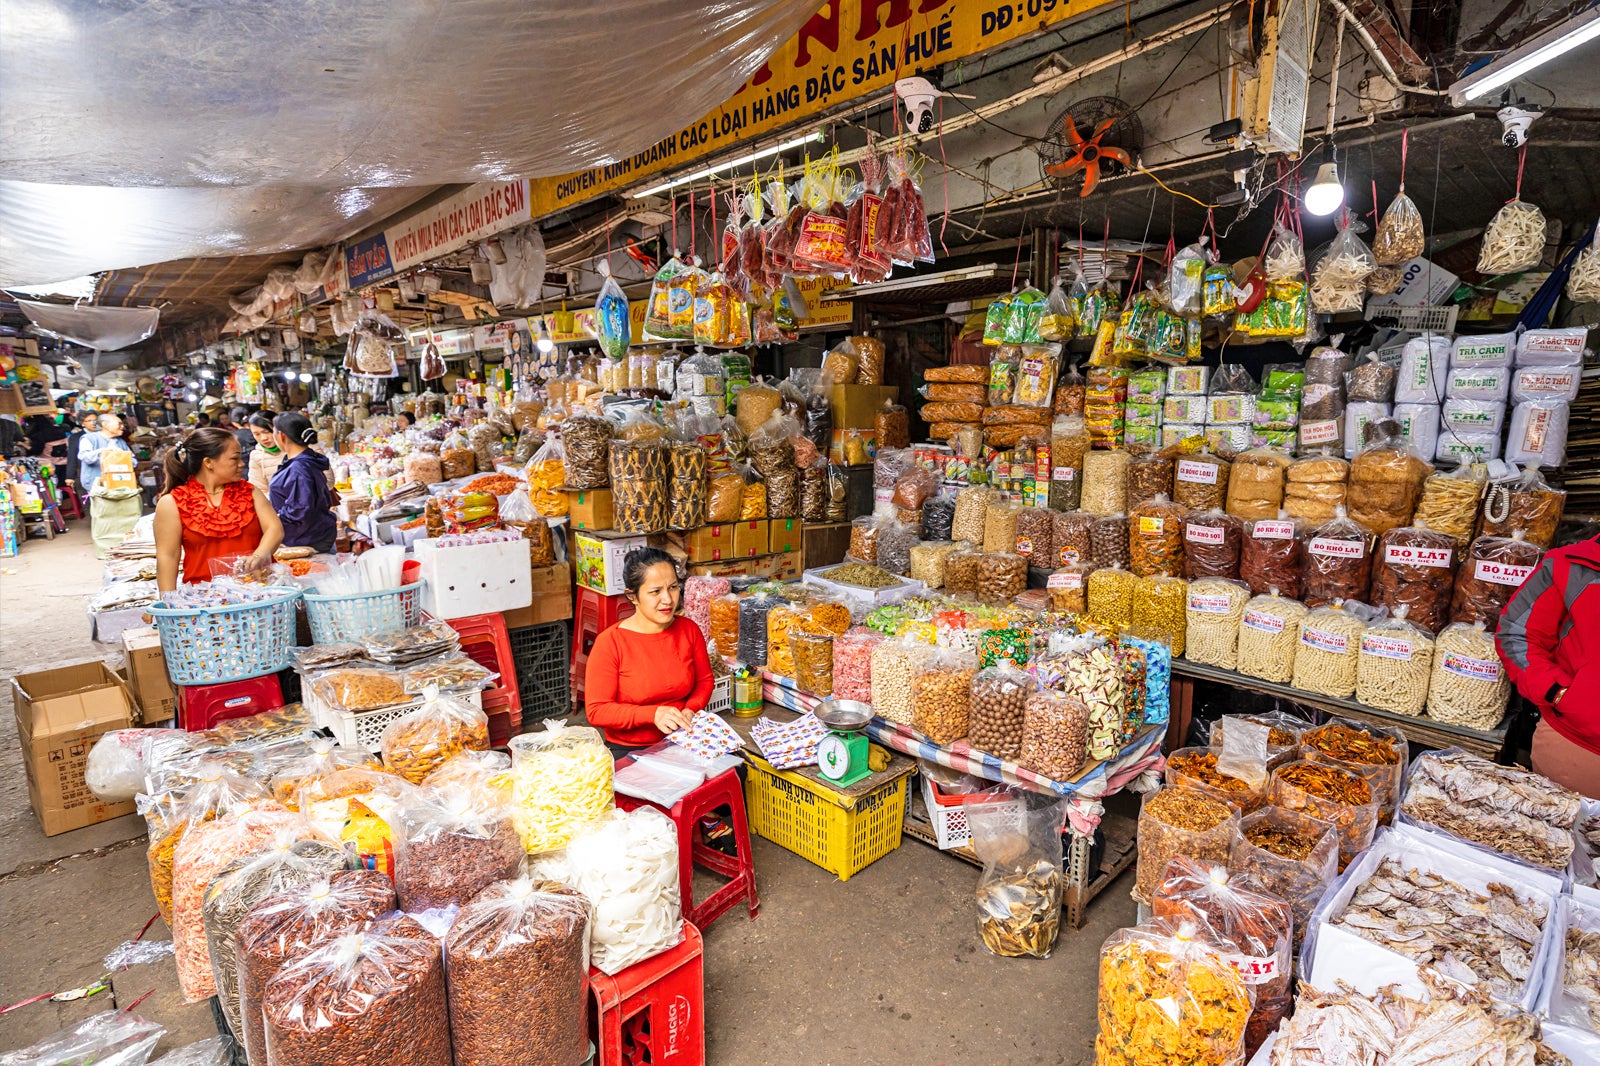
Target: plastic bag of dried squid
1258	927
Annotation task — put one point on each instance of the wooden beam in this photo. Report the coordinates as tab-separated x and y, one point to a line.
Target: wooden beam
1396	49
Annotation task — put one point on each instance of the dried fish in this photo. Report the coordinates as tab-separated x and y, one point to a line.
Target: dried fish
1580	977
1480	941
1019	914
1451	1027
1505	808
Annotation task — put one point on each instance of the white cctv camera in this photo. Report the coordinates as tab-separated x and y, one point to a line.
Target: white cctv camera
917	95
1514	124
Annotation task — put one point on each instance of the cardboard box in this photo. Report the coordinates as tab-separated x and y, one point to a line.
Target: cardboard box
552	598
60	714
787	566
856	406
750	538
784	535
710	544
598	556
760	566
591	509
116	470
147	675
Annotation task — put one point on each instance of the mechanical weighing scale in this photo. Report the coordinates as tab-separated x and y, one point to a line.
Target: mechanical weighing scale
842	754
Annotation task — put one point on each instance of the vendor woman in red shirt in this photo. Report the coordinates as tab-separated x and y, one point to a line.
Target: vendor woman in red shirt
208	511
649	673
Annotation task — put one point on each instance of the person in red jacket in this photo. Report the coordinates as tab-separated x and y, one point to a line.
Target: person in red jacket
1549	640
649	673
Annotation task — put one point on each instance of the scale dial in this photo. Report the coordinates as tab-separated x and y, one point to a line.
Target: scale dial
833	758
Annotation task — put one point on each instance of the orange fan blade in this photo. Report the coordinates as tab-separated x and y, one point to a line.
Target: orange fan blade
1118	154
1070	128
1066	167
1100	130
1091	178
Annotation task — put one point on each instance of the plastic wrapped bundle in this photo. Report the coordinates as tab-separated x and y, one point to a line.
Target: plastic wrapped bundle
453	845
420	741
379	993
1469	686
1204	1003
1213	610
518	959
561	780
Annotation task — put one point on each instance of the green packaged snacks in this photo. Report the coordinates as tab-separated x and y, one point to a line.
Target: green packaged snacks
1141	414
1147	384
996	320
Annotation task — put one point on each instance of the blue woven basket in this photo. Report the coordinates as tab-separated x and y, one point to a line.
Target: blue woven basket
336	619
213	645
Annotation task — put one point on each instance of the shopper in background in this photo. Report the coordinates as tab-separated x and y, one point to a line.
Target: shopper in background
208	511
239	422
266	457
202	421
88	423
47	439
13	438
93	447
649	673
405	420
1549	638
299	490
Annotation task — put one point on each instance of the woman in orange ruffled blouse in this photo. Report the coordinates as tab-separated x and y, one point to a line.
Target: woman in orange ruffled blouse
208	511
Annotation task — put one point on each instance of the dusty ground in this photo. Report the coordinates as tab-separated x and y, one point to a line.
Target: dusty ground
886	968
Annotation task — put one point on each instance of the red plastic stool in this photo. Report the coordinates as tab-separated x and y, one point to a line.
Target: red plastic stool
723	790
203	706
654	1011
487	642
594	613
71	502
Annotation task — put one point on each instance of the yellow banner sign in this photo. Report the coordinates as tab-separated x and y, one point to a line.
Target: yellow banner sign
848	49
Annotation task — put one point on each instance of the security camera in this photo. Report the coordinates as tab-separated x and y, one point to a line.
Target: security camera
1514	124
916	96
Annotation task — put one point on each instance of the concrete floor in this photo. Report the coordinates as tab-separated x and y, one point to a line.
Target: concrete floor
886	968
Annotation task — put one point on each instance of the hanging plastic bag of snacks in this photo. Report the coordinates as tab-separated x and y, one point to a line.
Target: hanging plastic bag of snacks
1023	313
1058	320
1185	277
1492	571
1514	240
1286	255
1399	237
1415	569
1583	282
1339	281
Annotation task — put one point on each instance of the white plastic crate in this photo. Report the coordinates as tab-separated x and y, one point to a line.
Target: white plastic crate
721	695
364	729
949	822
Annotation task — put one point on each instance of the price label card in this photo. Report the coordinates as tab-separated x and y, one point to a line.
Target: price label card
1197	473
1322	640
1334	548
1386	647
1267	623
1064	581
1208	604
1319	432
1063	473
1473	669
1272	530
1151	526
1415	555
1501	573
1205	534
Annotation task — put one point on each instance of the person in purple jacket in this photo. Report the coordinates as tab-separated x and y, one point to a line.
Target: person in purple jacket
299	488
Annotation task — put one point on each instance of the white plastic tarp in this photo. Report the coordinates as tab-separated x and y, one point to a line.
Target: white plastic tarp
219	107
104	328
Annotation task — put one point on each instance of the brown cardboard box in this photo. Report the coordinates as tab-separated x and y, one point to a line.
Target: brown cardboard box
783	535
710	544
760	566
787	566
856	406
116	470
60	714
552	598
750	538
592	509
147	675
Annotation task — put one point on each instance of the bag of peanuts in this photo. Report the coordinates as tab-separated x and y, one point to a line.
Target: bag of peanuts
998	707
1491	573
1338	562
1271	555
1415	569
941	695
518	958
1212	541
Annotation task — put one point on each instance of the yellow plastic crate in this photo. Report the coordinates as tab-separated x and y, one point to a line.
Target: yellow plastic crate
843	835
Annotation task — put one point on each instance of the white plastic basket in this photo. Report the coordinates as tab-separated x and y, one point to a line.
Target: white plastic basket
721	696
949	822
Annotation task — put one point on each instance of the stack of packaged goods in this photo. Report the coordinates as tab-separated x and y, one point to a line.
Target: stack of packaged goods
1185	409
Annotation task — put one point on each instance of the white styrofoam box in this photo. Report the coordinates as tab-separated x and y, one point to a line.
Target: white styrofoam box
474	579
1484	351
1332	954
107	627
1554	1004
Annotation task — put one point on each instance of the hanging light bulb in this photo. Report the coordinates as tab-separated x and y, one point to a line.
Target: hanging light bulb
543	341
305	378
1325	195
288	375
